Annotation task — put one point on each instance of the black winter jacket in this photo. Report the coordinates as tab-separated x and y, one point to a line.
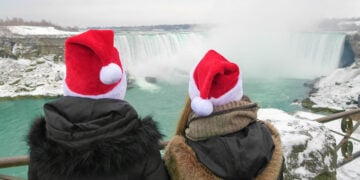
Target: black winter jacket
240	155
104	139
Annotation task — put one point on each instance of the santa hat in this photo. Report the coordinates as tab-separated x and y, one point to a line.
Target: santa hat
93	67
215	81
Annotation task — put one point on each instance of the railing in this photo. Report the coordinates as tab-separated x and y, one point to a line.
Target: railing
14	161
4	177
348	128
24	160
345	144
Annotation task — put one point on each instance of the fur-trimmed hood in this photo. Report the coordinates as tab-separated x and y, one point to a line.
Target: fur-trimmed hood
82	138
182	162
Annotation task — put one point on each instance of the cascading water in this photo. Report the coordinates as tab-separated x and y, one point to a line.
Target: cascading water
321	52
163	54
158	54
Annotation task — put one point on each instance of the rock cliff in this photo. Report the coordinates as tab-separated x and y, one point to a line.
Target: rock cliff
354	40
31	47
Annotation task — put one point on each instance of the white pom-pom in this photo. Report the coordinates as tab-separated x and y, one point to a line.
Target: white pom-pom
201	107
110	74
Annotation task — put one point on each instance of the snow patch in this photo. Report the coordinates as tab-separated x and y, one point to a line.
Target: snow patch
339	90
303	141
38	30
23	77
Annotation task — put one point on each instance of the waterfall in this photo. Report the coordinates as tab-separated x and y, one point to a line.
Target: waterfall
321	52
282	54
158	53
164	54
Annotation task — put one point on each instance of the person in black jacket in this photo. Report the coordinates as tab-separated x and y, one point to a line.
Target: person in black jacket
91	133
218	135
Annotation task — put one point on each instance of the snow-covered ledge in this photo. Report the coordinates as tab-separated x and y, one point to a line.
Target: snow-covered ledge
24	77
339	90
308	146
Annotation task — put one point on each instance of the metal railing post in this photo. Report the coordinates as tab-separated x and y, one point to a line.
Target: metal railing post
347	127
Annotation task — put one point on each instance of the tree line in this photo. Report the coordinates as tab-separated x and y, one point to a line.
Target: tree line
21	22
343	24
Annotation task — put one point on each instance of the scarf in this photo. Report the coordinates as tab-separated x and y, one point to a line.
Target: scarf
225	119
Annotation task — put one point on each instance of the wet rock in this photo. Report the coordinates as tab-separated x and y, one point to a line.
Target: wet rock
308	104
23	89
30	69
58	76
14	82
40	61
150	79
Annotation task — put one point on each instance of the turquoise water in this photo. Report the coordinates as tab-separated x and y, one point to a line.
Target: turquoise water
164	102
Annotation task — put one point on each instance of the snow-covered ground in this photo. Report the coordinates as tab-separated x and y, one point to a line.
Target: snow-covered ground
355	23
339	90
307	145
25	77
38	30
348	171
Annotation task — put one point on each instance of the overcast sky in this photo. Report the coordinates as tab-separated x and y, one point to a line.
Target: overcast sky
85	13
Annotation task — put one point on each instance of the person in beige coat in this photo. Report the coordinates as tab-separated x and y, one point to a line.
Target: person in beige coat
218	135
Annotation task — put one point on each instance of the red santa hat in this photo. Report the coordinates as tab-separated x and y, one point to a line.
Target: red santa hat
93	66
214	81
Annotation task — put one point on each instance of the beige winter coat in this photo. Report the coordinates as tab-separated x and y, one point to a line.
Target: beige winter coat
182	163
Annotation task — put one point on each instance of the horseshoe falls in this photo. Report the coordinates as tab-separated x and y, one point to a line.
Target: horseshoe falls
159	54
321	53
165	54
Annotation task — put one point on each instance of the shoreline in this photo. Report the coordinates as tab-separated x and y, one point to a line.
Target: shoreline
336	92
20	97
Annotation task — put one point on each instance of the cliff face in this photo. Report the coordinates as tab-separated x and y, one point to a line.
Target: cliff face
354	40
31	47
